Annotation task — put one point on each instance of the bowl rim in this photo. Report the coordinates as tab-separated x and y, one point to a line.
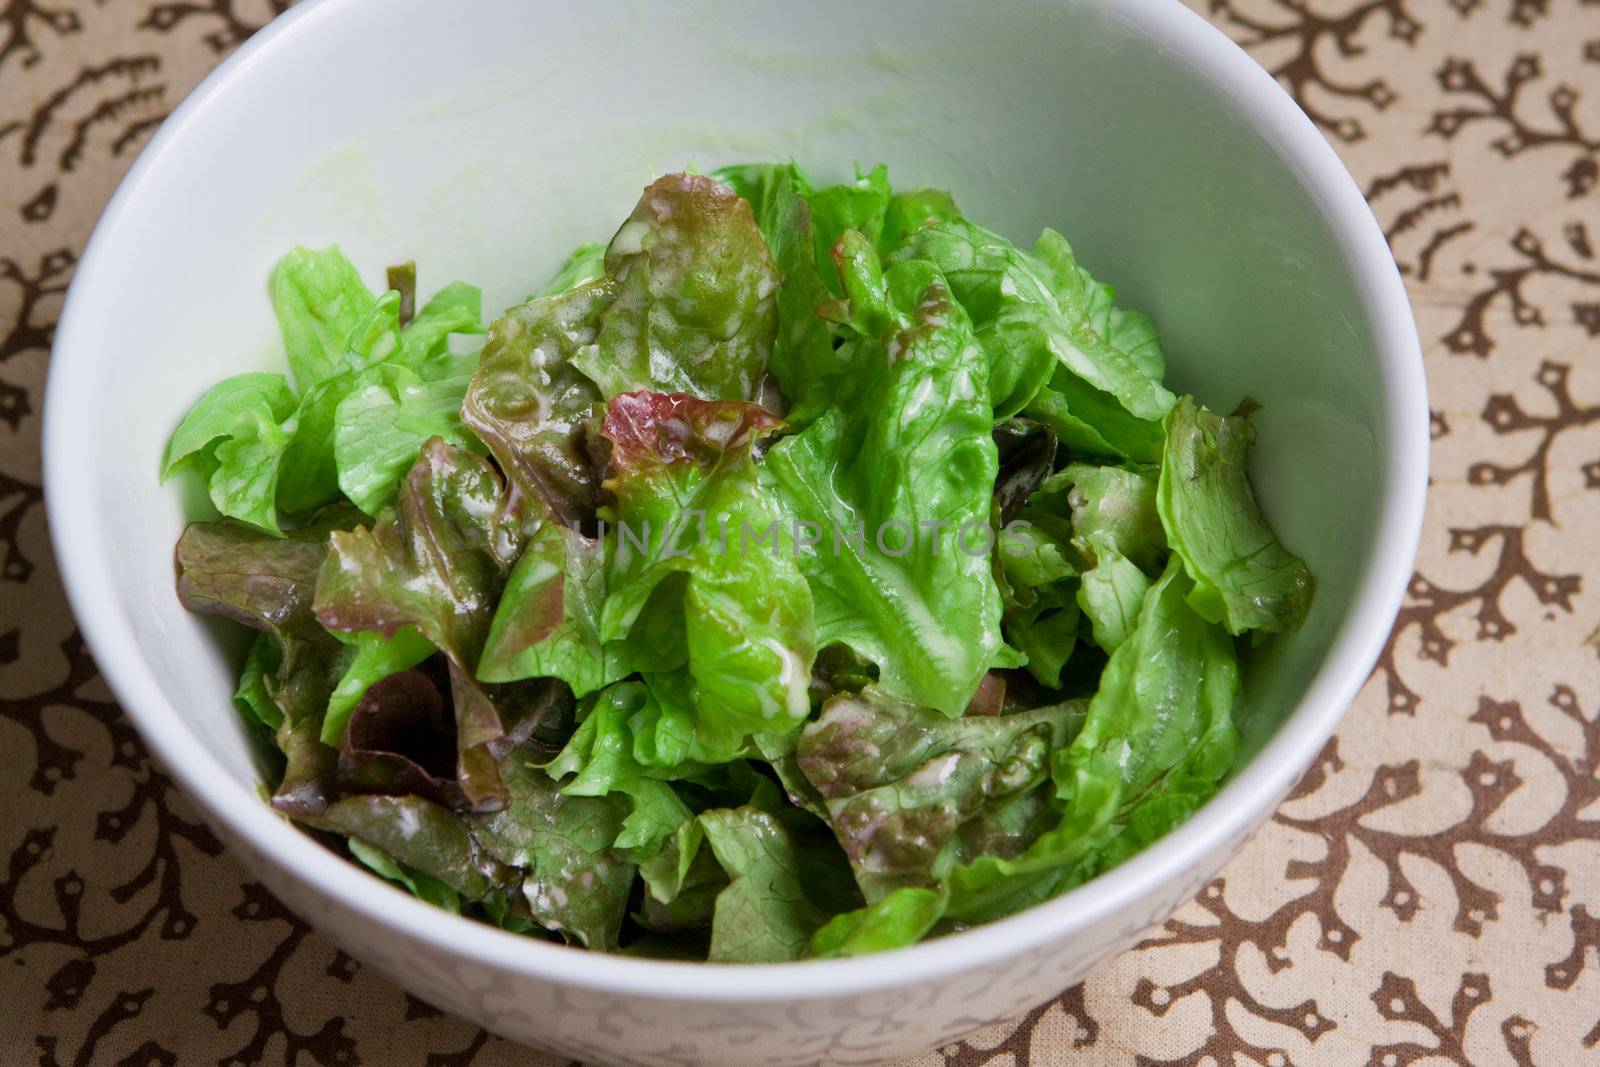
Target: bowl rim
85	568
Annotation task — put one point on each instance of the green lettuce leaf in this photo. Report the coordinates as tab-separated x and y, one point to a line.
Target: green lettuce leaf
861	205
586	263
1129	332
912	446
913	210
416	882
1035	327
1243	576
686	485
763	916
601	758
903	917
1116	529
251	696
321	303
381	423
233	409
547	624
425	337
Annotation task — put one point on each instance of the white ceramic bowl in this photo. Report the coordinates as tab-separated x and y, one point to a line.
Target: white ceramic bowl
486	138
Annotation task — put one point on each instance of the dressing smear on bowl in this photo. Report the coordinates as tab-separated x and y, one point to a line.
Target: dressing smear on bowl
806	572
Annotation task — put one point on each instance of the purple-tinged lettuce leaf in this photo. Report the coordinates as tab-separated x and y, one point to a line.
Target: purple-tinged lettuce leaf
530	404
804	358
268	583
437	564
906	787
694	308
232	569
398	741
424	836
1027	455
575	881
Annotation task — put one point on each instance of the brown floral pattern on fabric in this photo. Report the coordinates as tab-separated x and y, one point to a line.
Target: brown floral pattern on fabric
1429	894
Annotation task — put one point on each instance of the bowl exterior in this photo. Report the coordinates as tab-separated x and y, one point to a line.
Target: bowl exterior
603	1026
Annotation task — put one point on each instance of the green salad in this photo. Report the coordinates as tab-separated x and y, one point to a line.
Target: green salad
806	572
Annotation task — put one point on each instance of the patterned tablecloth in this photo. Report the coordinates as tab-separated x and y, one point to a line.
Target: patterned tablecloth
1431	893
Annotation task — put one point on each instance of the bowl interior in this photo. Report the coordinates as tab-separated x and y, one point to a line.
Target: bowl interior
486	142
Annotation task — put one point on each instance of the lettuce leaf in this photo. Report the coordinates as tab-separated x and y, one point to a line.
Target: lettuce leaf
374	657
574	881
913	210
911	446
398	741
418	883
763	916
1158	738
436	563
382	423
547	624
902	917
422	836
529	404
1243	576
268	583
234	408
1117	531
586	263
262	449
251	696
694	309
909	790
686	484
804	358
321	302
1031	323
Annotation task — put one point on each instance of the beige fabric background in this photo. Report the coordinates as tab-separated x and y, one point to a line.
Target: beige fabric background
1431	894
